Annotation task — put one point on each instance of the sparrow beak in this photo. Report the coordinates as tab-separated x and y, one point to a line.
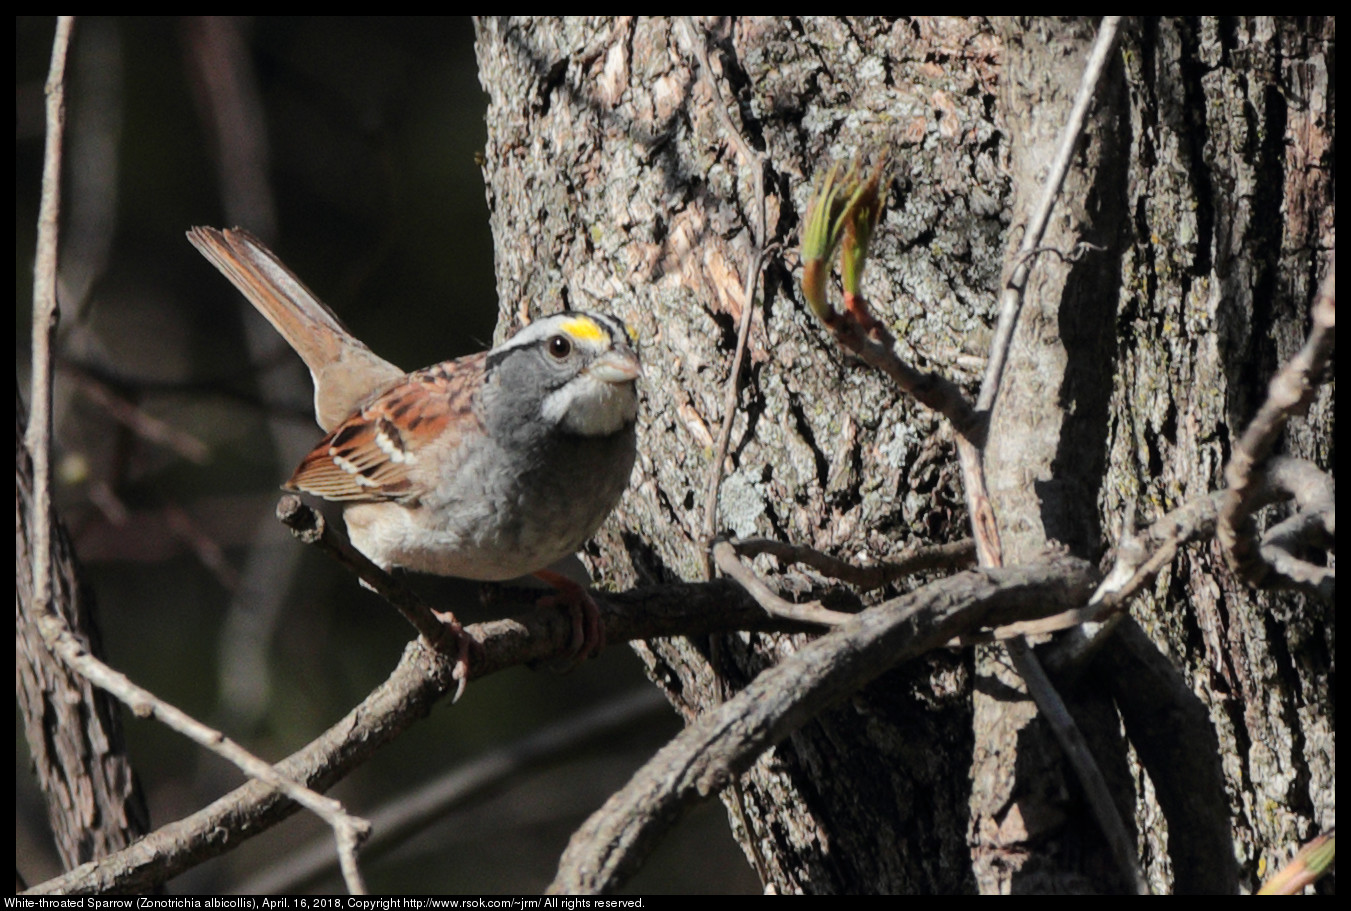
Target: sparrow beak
616	367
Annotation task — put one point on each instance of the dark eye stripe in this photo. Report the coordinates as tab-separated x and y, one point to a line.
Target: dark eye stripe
610	325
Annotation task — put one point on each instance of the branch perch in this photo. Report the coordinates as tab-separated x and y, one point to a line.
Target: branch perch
723	743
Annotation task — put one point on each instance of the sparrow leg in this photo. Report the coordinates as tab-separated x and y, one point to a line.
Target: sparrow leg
453	635
588	635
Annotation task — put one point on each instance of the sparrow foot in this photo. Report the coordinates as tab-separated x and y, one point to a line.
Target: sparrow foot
588	634
454	640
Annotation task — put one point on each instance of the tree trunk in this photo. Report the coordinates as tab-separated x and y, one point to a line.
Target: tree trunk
73	731
1205	177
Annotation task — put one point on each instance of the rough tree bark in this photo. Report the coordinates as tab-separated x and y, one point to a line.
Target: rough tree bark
73	731
1206	178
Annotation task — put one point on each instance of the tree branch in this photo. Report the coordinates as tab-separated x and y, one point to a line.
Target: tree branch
421	677
424	676
1011	301
46	314
723	743
1289	393
724	554
957	555
754	166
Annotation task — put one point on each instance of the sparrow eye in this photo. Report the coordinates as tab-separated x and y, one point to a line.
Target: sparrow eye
560	347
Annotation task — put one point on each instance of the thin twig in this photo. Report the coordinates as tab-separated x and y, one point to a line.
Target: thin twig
1065	620
748	156
1072	742
754	165
957	555
1289	393
1072	255
348	830
876	347
984	525
811	612
135	419
1011	300
46	314
729	409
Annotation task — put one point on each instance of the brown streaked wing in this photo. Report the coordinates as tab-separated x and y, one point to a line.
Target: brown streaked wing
376	453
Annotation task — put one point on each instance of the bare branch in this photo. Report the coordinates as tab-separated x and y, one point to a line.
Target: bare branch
811	612
1011	301
754	166
878	349
46	314
1072	255
1289	393
107	808
723	743
349	831
421	678
957	555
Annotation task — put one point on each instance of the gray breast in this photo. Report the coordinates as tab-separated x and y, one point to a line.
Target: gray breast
517	510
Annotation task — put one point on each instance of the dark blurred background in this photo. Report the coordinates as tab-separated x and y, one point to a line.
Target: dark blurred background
349	145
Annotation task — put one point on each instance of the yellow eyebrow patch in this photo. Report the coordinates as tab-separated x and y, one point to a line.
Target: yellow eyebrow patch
585	330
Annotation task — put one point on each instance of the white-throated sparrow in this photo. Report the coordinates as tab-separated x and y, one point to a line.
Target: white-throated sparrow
487	467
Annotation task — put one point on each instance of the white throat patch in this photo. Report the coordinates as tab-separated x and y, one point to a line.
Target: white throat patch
590	407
